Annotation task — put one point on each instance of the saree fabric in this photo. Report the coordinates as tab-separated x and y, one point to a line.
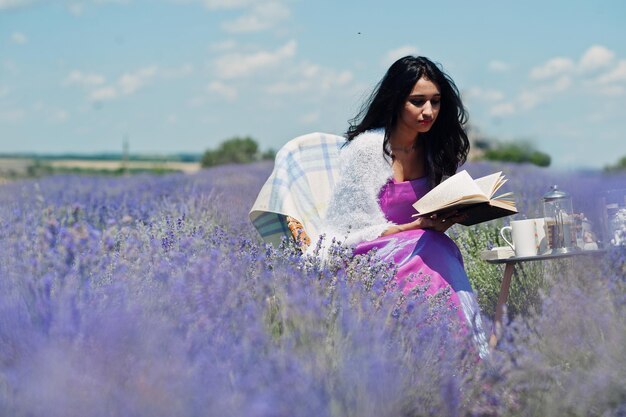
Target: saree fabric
423	256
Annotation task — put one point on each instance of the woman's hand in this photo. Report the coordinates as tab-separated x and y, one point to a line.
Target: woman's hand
442	222
439	222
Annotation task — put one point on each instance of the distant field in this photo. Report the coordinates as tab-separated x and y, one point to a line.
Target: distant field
115	165
19	166
12	167
16	165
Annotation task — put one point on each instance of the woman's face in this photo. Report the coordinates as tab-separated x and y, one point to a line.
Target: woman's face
421	107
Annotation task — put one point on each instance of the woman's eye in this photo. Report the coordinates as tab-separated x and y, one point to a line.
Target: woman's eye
420	103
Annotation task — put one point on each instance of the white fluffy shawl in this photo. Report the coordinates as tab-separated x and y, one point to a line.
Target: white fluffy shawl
354	214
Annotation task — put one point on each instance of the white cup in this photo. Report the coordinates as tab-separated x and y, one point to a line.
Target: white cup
529	237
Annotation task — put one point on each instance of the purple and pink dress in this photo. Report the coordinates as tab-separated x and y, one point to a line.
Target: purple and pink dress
423	256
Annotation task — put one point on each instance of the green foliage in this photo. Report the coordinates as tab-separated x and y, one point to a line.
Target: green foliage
268	155
517	152
619	166
527	282
236	150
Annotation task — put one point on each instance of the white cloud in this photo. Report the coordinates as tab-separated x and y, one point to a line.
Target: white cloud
237	65
262	16
617	74
58	116
528	99
227	92
286	87
19	38
10	66
340	79
257	15
180	72
12	116
596	57
127	83
560	84
611	90
131	82
222	46
489	95
556	77
307	77
502	109
531	97
103	94
197	101
14	4
397	53
227	4
554	67
39	106
498	66
84	80
310	118
76	9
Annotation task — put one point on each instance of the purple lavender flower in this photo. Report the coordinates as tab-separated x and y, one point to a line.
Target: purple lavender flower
153	295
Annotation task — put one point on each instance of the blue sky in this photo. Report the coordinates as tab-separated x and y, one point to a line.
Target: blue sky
183	75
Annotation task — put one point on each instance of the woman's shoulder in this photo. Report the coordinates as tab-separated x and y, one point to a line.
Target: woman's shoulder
371	139
370	136
365	154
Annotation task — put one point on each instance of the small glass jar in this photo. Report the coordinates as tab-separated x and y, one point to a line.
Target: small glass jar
560	221
614	216
617	227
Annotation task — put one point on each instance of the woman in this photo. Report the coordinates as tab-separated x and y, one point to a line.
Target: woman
408	137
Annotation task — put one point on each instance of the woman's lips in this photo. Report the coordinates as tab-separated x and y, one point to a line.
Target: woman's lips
425	122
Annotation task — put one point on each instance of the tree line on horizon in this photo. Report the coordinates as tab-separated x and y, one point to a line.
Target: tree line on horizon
241	150
236	150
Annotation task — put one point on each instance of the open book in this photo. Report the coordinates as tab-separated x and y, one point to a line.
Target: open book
474	197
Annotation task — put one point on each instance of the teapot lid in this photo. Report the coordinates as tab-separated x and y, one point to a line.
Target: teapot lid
555	194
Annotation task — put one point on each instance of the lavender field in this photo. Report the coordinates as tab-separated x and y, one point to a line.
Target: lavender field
154	296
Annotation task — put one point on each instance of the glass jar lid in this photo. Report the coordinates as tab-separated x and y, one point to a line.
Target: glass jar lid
555	194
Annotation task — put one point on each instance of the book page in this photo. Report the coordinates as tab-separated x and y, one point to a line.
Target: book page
490	183
453	189
506	204
507	198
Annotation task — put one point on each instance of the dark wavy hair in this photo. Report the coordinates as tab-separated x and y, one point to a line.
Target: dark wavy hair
446	144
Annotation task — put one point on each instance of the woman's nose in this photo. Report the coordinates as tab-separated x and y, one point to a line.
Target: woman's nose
427	109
